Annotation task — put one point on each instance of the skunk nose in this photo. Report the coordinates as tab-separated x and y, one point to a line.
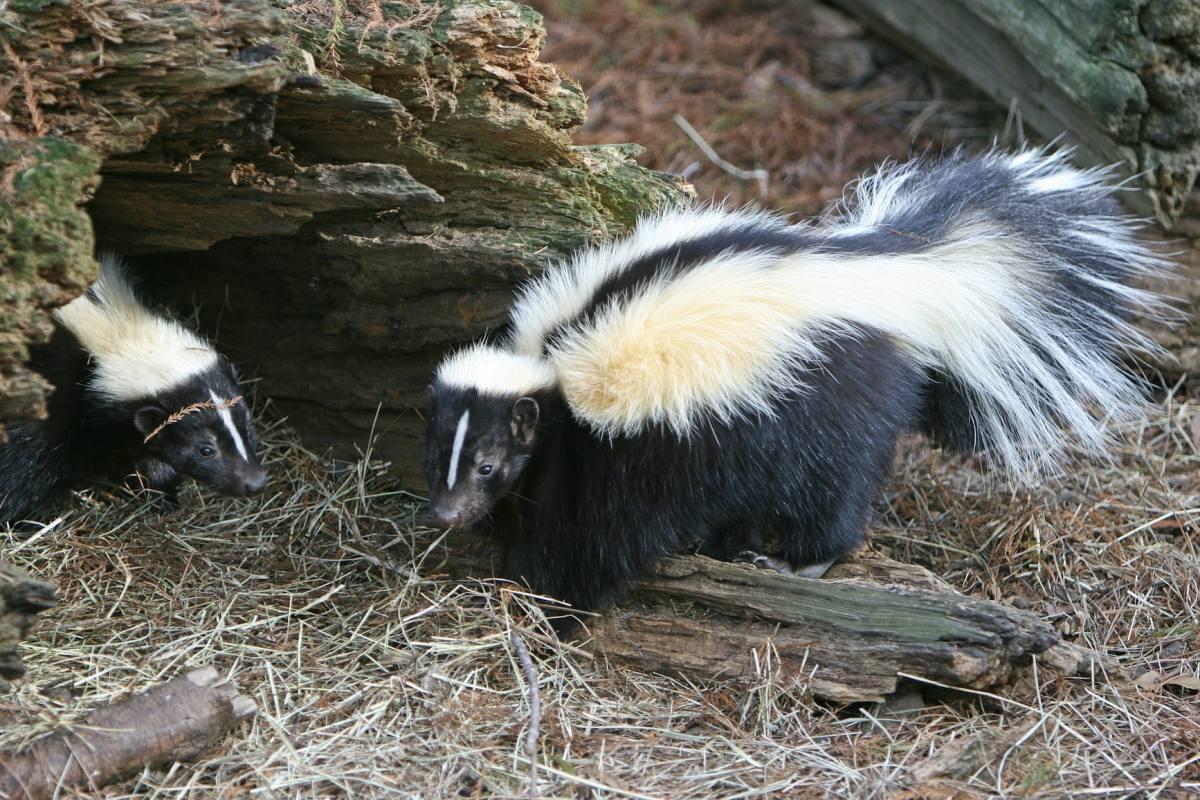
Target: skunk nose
446	517
256	482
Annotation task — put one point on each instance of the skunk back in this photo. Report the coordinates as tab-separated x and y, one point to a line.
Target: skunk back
1010	278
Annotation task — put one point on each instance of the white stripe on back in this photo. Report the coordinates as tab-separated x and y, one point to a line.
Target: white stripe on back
227	418
459	437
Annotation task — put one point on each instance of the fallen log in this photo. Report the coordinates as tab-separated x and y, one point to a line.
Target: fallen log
21	599
174	721
851	635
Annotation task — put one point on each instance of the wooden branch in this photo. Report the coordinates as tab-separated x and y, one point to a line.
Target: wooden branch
849	634
174	721
21	599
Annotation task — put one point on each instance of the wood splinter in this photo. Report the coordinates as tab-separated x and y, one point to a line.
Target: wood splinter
174	721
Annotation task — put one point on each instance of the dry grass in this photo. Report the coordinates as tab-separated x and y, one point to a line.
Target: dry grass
789	88
375	675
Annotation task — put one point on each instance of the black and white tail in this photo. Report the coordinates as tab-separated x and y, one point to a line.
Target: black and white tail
1051	270
1011	278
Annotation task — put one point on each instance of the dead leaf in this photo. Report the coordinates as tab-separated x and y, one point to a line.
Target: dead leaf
1183	681
1149	680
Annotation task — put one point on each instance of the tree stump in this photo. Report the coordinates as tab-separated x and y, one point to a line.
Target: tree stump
344	196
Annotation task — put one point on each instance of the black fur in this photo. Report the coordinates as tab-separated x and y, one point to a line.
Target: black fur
592	514
582	515
88	438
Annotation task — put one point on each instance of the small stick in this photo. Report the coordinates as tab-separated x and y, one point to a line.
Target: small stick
535	708
760	175
192	409
174	721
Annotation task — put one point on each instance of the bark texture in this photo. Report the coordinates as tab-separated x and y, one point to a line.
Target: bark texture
21	599
852	635
344	194
175	721
80	83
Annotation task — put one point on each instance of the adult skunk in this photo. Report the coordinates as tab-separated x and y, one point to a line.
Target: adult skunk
147	401
718	373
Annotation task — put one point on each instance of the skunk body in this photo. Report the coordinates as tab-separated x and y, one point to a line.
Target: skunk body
720	373
120	410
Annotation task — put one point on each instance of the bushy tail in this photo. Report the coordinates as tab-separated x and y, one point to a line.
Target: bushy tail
1036	274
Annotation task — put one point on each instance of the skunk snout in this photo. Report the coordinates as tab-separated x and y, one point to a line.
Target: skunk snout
255	482
447	517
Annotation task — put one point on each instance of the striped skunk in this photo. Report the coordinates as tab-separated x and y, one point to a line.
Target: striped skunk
144	400
718	374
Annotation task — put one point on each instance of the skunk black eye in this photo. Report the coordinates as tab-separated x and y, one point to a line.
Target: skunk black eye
207	451
485	470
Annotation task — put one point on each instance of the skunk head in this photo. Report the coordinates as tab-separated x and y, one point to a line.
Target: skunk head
164	385
201	428
483	430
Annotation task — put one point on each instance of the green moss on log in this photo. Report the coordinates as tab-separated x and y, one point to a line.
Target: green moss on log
45	250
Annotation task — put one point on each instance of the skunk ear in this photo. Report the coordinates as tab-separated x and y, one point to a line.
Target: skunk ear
148	418
524	420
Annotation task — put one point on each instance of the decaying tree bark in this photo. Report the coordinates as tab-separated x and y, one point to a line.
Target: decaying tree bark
852	634
79	83
21	599
347	194
174	721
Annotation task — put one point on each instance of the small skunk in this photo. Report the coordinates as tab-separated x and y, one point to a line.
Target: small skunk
721	373
146	401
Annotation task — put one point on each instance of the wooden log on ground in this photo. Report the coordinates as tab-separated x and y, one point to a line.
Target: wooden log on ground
174	721
852	635
21	599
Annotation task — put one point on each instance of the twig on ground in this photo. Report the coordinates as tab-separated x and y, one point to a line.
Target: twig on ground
535	708
175	721
760	175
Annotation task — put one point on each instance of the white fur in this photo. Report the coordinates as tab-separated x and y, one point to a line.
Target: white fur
460	436
563	291
727	338
227	418
136	353
492	371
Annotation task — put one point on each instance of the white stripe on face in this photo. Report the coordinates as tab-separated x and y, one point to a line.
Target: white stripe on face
459	437
227	418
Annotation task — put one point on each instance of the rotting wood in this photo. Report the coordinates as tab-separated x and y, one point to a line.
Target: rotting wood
21	599
88	81
343	199
174	721
849	635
